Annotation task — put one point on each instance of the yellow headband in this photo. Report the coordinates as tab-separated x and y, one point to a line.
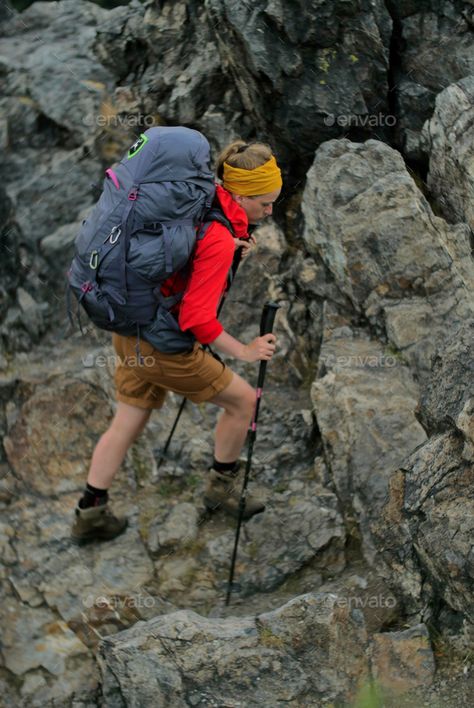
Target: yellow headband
250	183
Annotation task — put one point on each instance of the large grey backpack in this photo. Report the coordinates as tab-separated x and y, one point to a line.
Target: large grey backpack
142	230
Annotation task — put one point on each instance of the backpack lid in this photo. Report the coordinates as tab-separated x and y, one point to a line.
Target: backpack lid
172	154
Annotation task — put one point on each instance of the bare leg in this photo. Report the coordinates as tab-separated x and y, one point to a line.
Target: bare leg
238	401
109	453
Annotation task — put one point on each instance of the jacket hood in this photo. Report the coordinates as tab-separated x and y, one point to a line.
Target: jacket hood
236	215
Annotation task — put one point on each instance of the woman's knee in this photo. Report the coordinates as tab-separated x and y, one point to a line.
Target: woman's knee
238	398
250	397
129	421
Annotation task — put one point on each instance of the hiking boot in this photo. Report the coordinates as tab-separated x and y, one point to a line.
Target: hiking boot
223	492
96	523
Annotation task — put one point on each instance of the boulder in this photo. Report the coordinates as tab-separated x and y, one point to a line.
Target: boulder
424	532
64	85
448	138
52	439
447	399
299	527
23	316
38	646
227	67
364	402
184	659
330	63
430	34
405	270
404	660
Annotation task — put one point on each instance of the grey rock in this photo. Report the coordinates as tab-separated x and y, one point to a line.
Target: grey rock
7	553
329	63
66	84
177	574
22	319
428	35
10	260
69	175
448	396
6	11
299	527
425	529
91	589
51	408
178	85
179	528
58	247
47	95
408	272
32	313
184	659
403	660
34	637
365	407
448	141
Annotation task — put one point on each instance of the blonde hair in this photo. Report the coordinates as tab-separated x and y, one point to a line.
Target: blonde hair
245	156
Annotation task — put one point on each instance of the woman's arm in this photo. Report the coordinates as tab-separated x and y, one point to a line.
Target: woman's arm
260	348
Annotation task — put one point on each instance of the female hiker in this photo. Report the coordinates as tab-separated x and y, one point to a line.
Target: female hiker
250	184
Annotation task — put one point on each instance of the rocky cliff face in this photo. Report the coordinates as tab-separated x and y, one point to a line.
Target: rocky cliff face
356	585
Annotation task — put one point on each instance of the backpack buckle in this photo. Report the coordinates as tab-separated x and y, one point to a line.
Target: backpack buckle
133	194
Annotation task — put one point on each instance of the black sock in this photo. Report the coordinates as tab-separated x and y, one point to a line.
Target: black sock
225	467
93	496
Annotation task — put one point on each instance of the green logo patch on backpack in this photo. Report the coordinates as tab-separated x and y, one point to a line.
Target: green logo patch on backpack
137	145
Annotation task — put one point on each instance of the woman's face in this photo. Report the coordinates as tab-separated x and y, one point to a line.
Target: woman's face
258	208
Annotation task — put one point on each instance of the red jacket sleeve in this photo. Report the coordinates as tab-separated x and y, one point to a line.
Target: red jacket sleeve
211	263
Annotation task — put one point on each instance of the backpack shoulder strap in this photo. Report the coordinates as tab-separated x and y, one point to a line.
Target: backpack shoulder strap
214	214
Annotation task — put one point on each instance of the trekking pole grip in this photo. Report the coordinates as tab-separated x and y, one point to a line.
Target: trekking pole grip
268	317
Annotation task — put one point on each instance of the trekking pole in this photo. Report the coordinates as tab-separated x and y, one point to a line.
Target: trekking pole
235	265
266	327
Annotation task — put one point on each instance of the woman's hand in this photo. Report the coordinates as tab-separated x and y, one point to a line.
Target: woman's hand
259	349
247	244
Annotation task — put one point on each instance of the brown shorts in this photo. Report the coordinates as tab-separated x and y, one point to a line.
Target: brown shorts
197	375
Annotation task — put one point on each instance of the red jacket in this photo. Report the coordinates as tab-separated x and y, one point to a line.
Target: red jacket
207	279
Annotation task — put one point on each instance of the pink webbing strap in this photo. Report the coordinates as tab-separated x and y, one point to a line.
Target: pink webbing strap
111	174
